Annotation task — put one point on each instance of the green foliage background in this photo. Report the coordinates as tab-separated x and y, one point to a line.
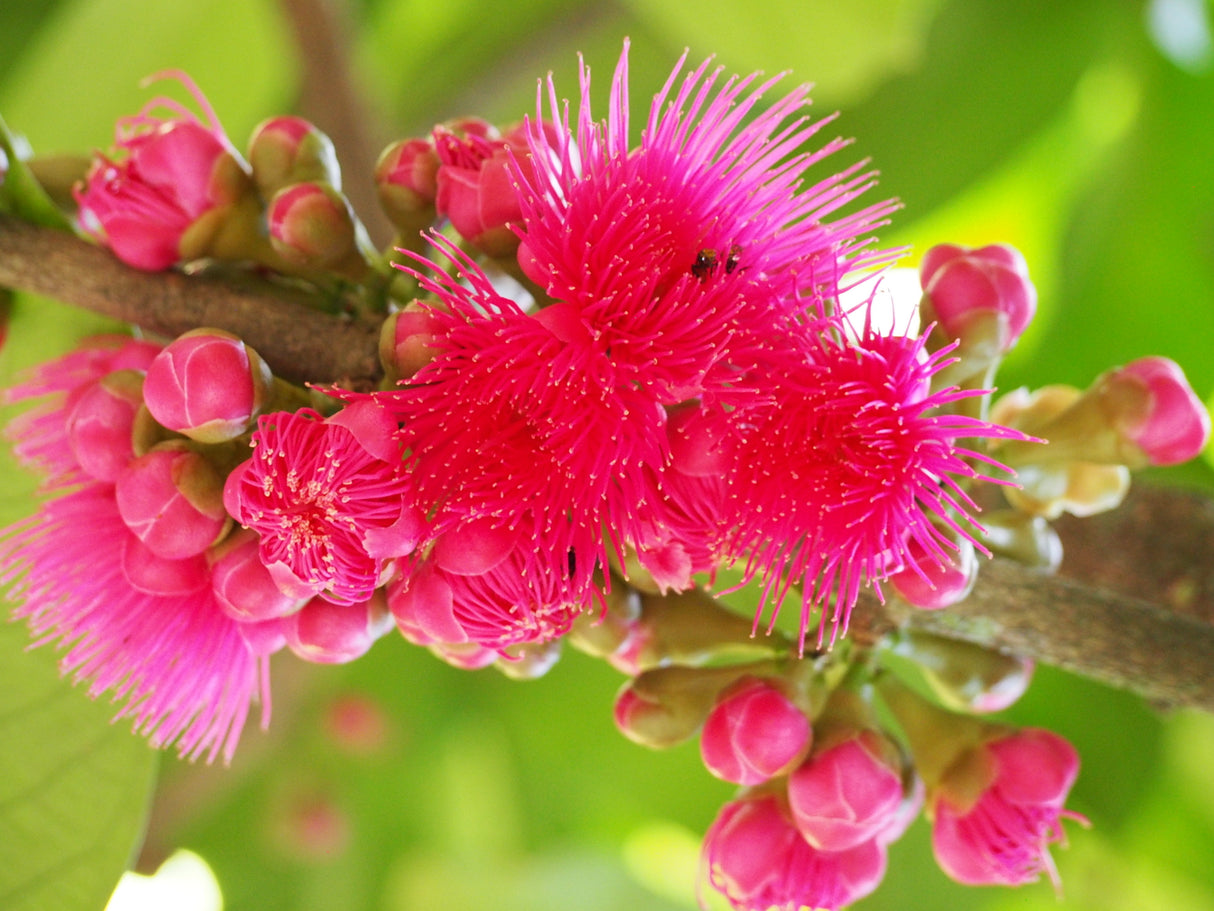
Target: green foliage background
1066	128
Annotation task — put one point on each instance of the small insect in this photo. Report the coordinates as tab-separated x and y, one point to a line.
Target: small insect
733	258
705	264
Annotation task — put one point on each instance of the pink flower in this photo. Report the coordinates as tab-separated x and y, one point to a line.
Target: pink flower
172	499
685	251
492	603
875	466
177	168
759	861
156	640
329	498
999	807
475	186
518	422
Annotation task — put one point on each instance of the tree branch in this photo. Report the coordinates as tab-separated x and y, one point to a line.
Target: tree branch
300	343
1133	606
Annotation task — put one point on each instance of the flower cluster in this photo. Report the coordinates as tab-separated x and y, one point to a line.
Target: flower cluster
613	365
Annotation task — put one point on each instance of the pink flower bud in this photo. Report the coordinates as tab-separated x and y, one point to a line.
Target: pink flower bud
758	860
328	633
931	583
285	150
155	575
964	284
243	585
1174	425
423	605
172	499
753	733
846	794
207	385
176	169
100	423
407	341
264	637
406	176
999	807
312	224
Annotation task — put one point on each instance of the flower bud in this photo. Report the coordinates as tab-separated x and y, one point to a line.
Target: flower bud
264	637
311	224
172	499
529	660
285	150
406	177
847	793
100	423
981	296
966	677
753	733
155	575
1142	414
1027	539
667	705
407	341
243	586
1174	425
423	605
328	633
207	385
757	859
930	583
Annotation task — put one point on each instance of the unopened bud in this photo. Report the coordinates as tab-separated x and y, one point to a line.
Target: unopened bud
602	632
665	706
982	297
406	177
1027	539
243	586
328	633
1142	414
162	576
529	660
966	677
407	341
207	385
847	793
934	581
285	150
311	224
172	499
100	424
753	733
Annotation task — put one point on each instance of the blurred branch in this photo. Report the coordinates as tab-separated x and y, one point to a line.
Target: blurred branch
1133	607
329	96
299	343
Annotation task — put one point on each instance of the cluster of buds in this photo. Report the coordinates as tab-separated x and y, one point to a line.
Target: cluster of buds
637	373
179	191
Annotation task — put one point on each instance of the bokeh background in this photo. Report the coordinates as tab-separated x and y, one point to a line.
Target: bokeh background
1082	131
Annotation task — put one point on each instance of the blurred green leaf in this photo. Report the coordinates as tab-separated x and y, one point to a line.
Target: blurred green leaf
74	789
20	192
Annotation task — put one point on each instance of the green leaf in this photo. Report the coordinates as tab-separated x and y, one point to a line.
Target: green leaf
20	192
74	789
